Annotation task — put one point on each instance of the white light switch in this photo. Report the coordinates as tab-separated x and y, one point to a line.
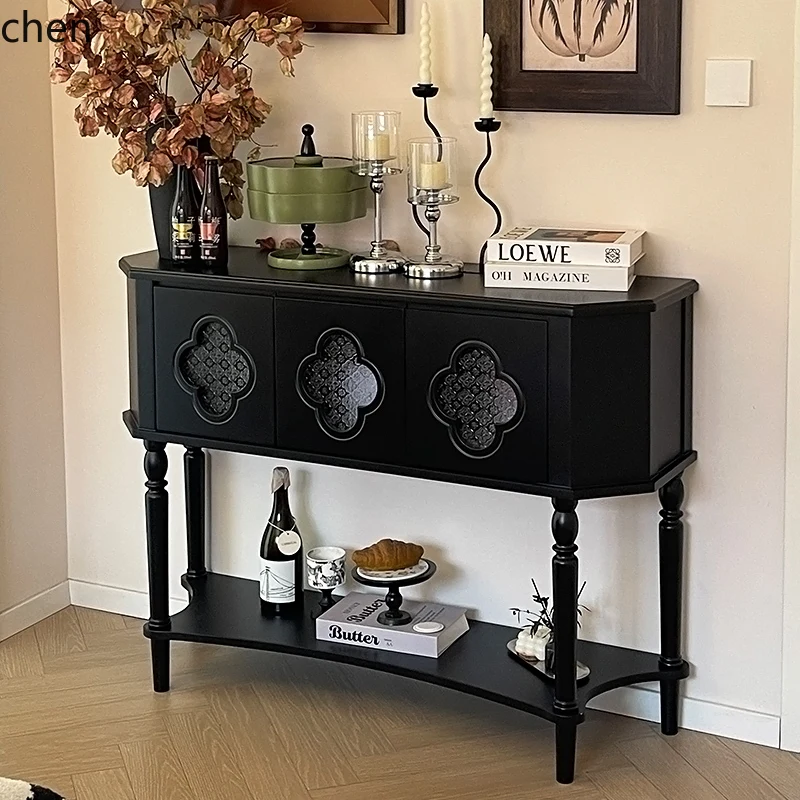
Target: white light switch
729	82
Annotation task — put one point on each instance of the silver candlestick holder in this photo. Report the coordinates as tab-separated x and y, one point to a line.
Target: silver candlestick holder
376	156
431	185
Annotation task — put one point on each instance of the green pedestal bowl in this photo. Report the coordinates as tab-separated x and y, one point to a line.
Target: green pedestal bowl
306	190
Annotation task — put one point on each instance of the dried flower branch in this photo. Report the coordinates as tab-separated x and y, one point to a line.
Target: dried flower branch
124	86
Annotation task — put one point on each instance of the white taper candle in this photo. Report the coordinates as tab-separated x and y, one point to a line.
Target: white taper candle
425	46
487	109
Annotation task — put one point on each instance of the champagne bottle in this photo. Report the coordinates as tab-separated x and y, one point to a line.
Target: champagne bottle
213	218
184	218
281	554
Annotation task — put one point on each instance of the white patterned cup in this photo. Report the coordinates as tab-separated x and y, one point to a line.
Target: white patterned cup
325	567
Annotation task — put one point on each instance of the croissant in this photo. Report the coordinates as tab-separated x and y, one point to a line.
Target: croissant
388	554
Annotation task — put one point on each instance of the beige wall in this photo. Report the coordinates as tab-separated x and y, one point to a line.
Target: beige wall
712	186
33	543
790	706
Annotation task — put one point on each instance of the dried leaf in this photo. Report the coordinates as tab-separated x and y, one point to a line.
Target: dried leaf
287	67
195	14
78	85
290	47
88	126
267	36
134	23
235	207
124	94
156	110
121	162
98	42
266	245
60	74
226	78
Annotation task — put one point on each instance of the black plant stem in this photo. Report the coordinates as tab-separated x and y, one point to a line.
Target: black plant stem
183	63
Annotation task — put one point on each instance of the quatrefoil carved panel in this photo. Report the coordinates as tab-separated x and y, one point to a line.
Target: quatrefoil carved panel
214	369
339	384
476	401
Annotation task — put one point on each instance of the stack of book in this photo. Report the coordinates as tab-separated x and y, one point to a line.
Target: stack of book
564	258
354	620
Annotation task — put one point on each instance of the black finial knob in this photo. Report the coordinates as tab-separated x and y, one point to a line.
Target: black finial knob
308	148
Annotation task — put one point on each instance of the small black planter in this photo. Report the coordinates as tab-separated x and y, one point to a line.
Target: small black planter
161	198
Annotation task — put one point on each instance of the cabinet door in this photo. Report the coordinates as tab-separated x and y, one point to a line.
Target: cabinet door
340	379
477	396
214	365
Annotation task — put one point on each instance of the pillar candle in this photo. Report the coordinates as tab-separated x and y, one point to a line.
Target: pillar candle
487	110
378	147
432	175
425	46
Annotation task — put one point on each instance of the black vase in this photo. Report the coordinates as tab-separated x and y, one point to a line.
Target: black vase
161	198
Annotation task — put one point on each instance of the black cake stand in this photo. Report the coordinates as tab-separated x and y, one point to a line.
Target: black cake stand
395	615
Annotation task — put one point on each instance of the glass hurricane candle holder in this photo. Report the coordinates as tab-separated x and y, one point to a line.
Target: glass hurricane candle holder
432	183
376	154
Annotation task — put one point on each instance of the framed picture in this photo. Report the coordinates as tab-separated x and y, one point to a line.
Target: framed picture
608	56
331	16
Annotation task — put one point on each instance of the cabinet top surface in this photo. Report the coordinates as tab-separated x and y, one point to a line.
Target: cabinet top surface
248	271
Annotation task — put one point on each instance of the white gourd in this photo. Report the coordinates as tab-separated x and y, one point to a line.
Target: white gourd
532	645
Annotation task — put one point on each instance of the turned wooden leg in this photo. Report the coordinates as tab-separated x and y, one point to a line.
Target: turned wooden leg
670	536
566	741
156	502
194	471
565	635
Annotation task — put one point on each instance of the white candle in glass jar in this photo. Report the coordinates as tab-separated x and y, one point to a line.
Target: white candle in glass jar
378	147
432	175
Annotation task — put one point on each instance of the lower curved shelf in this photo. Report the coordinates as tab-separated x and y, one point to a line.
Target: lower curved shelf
226	611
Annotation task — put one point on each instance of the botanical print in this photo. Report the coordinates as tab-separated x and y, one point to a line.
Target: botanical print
579	35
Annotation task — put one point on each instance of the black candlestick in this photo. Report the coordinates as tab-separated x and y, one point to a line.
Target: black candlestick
487	125
426	91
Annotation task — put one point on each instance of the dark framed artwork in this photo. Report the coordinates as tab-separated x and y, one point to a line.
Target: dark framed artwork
331	16
607	56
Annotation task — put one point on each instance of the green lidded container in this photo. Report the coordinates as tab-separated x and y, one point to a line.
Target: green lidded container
306	190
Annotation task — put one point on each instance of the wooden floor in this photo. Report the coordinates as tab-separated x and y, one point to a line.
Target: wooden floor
77	714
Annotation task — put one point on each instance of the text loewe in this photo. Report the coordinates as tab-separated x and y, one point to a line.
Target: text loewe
56	30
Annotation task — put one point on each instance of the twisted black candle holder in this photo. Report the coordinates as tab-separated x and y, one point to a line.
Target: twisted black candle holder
426	91
488	126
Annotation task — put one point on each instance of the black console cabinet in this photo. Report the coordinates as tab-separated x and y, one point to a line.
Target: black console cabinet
569	395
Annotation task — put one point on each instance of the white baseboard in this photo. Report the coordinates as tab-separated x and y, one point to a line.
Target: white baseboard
696	715
632	701
129	602
33	610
